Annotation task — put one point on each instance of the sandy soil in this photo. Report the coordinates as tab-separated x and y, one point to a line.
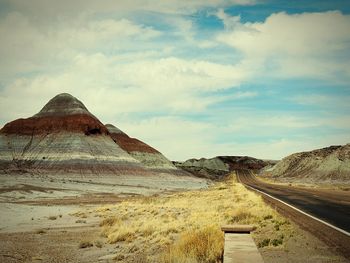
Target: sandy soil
52	219
301	246
45	218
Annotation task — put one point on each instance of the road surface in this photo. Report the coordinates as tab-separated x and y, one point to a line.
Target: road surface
330	206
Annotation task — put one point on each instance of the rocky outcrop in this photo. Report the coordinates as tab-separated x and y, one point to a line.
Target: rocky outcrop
139	150
220	166
326	165
64	137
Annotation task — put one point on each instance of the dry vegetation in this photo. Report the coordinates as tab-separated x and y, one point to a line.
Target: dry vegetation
185	227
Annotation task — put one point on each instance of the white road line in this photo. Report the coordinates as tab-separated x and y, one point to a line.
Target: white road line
297	209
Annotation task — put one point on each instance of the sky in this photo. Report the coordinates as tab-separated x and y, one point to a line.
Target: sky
195	78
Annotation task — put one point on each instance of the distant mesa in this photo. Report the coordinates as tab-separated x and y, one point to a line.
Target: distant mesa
219	166
64	137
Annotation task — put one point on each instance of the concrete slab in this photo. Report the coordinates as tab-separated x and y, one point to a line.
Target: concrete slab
241	248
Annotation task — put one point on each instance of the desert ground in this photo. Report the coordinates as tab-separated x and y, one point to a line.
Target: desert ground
140	219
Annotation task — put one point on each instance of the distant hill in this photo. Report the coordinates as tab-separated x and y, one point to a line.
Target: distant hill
217	167
326	164
64	137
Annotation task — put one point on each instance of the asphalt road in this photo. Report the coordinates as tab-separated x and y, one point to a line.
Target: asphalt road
327	205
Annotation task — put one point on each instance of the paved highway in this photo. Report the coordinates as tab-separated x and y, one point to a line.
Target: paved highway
330	206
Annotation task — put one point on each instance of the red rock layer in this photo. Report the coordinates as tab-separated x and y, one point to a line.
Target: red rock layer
80	123
131	144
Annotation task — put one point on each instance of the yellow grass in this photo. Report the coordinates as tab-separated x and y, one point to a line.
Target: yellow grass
185	227
204	245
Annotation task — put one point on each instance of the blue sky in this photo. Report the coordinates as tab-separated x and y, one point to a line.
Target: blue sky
191	78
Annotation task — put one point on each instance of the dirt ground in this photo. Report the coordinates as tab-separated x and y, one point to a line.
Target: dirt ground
48	219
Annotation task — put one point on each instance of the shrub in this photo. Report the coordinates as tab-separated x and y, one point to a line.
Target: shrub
85	244
98	243
204	245
267	217
148	230
110	221
278	241
264	243
241	215
123	233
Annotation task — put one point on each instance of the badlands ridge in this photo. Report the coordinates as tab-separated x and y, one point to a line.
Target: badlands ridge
64	137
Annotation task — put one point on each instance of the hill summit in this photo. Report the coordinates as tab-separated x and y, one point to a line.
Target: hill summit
62	113
62	105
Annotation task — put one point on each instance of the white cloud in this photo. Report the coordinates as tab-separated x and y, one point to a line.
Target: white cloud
300	45
175	74
174	137
70	8
230	22
167	84
323	100
120	68
276	124
26	47
242	95
182	139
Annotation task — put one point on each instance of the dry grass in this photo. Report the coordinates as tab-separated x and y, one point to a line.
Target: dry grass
204	245
185	227
85	244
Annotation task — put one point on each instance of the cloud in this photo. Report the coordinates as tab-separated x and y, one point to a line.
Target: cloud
299	45
27	48
181	139
115	65
175	137
230	22
70	8
323	100
152	71
158	85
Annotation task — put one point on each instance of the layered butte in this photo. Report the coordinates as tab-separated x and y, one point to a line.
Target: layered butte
139	150
63	137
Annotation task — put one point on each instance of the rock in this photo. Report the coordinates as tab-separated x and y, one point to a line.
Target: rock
62	113
220	166
328	164
141	151
64	137
107	257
